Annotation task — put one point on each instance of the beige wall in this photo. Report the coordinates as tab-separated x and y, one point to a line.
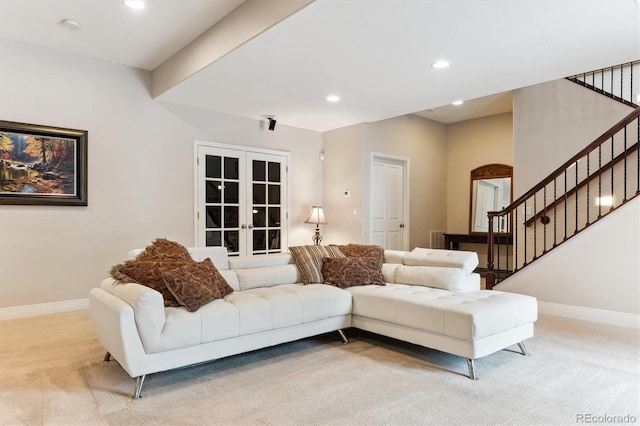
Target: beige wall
470	144
342	169
140	171
347	163
552	122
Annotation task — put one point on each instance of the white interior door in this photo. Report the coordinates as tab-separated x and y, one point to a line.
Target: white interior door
388	227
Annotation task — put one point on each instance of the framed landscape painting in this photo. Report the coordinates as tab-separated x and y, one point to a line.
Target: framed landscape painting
42	165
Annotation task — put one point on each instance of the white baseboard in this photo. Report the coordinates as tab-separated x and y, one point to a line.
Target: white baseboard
43	309
621	319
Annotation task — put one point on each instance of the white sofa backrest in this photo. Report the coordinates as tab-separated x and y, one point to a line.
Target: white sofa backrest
268	276
244	262
394	256
452	279
218	255
466	260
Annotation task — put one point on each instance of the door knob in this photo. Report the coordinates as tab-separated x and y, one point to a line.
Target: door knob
250	227
402	225
243	226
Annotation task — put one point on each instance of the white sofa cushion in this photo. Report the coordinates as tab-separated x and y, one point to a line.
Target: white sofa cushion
268	276
239	313
452	279
466	260
286	305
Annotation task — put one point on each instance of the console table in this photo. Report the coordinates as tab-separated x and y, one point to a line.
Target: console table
452	241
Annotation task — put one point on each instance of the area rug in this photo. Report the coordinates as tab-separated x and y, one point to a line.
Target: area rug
375	380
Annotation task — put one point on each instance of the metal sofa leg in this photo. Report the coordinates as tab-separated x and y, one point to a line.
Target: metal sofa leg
472	373
138	388
523	349
107	357
343	337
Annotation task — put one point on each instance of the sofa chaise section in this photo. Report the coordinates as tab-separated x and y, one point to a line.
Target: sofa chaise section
468	324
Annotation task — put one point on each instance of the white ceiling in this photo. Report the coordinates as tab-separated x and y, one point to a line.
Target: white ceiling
375	54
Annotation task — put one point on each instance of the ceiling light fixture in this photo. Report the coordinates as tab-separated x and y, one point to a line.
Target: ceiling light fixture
70	24
458	102
440	64
333	98
134	4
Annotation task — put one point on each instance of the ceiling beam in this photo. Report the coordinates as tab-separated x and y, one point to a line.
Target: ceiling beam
247	21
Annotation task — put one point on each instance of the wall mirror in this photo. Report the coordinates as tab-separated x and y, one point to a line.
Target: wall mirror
491	190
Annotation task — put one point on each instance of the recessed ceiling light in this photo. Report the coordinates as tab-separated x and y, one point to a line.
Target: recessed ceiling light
333	98
70	23
458	102
439	64
134	4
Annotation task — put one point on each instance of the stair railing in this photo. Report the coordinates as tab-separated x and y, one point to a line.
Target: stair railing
600	178
619	82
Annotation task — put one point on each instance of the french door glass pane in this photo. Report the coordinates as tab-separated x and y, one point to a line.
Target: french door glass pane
259	240
231	168
274	172
259	217
213	168
213	217
259	193
274	217
231	217
213	238
274	239
259	171
231	195
214	191
274	194
231	241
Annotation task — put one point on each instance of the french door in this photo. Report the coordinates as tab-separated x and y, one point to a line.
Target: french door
241	201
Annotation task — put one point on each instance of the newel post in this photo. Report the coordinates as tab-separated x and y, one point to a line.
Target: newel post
491	276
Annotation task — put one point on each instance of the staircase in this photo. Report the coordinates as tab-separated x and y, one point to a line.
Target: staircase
599	179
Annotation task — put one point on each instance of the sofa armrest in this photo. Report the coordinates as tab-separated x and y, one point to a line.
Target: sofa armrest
148	308
114	325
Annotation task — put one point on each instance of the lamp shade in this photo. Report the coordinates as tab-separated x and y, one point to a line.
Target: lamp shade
316	216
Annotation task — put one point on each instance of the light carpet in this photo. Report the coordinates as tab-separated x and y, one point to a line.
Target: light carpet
53	374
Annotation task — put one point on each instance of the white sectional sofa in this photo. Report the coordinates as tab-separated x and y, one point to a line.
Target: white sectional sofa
432	298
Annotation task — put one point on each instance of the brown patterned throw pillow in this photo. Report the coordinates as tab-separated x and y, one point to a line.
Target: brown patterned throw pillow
352	271
147	269
196	284
362	250
309	260
162	249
